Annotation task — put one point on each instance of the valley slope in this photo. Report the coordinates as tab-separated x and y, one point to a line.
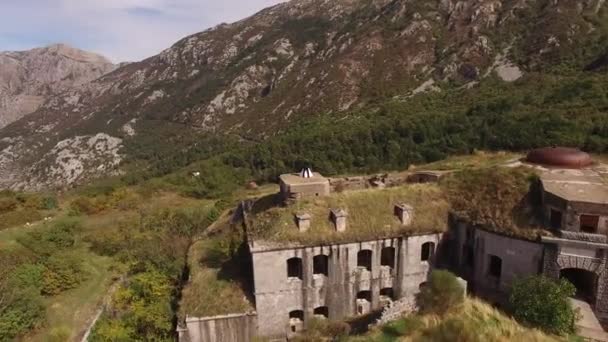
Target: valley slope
254	78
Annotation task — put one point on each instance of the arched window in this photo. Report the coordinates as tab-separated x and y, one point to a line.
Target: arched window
427	252
294	268
322	311
387	258
296	320
320	264
364	300
364	259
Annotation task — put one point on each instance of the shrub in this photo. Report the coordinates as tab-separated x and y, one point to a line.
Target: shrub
85	206
8	204
28	276
24	312
48	240
442	292
545	303
63	272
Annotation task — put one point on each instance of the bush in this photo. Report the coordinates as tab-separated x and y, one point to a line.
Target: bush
442	292
48	240
544	303
24	312
8	204
85	206
63	272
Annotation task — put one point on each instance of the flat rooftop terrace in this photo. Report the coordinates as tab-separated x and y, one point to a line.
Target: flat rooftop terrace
370	216
586	186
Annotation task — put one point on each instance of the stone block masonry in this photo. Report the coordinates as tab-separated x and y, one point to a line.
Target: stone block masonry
293	285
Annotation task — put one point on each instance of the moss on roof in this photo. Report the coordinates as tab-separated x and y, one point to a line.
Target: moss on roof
499	199
370	216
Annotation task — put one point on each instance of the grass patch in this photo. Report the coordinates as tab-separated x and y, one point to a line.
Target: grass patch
71	311
216	285
498	199
473	321
370	216
479	159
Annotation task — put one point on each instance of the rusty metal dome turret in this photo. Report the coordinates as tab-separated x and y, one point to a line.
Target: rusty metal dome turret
565	157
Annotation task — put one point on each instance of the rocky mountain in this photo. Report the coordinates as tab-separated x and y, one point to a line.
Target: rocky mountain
29	78
253	77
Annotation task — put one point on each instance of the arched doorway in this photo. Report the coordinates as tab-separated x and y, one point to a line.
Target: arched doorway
584	281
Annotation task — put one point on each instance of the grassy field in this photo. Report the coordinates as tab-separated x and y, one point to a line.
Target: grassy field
71	312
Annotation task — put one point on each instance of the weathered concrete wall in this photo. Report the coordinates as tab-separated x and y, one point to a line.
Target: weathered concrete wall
519	258
227	328
277	295
572	211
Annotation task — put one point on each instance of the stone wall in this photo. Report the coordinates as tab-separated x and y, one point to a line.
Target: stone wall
227	328
519	258
277	295
572	211
561	254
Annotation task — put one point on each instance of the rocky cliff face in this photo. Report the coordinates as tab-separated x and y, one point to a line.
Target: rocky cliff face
254	76
28	78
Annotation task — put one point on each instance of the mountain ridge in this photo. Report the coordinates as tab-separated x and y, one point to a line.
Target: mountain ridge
294	60
29	78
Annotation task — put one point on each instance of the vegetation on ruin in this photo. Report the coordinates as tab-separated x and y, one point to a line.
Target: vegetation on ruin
499	199
441	293
370	216
544	303
218	277
473	321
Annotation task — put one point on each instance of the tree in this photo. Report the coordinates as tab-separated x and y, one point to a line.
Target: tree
442	292
545	303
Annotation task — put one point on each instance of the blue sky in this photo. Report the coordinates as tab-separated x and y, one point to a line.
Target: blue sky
122	30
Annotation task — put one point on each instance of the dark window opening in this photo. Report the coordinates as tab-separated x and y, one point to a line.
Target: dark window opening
320	264
387	292
294	268
589	223
295	317
584	281
428	249
322	311
556	219
364	299
495	269
470	234
364	259
366	295
468	255
387	258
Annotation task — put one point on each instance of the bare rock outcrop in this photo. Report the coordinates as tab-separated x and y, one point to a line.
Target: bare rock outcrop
29	78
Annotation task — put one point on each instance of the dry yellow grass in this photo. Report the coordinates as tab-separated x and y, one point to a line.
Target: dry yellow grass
473	321
479	159
370	216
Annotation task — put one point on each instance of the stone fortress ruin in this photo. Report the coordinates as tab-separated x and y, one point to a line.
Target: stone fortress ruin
321	251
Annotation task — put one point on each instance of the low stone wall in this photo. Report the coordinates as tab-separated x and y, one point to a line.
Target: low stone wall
226	328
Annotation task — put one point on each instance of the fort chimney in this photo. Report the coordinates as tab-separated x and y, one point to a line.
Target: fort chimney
405	213
338	217
303	221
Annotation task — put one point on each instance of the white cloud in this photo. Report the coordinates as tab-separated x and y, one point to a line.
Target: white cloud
123	30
